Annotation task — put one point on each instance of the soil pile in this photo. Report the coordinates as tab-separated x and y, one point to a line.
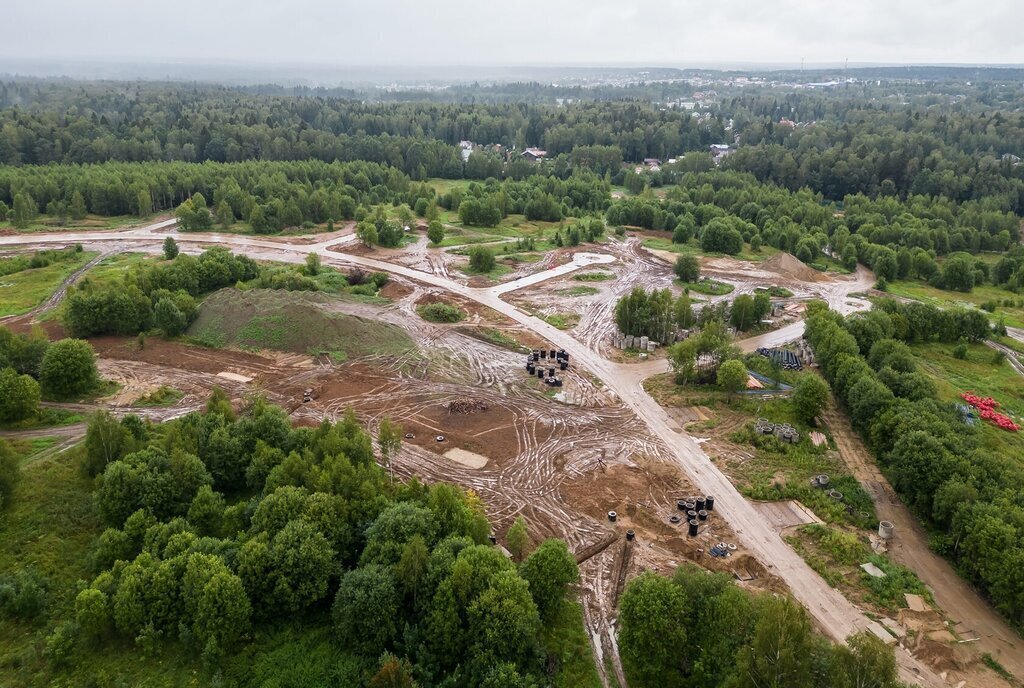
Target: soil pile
292	321
792	267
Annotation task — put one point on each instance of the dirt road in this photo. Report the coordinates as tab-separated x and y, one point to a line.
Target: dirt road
909	546
833	613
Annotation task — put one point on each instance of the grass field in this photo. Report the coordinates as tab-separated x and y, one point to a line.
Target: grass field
1013	316
46	418
90	222
978	373
22	291
563	320
294	321
693	248
112	269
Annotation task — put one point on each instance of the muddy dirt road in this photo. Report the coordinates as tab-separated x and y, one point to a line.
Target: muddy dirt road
832	612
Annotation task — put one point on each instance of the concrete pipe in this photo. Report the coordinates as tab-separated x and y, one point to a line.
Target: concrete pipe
885	529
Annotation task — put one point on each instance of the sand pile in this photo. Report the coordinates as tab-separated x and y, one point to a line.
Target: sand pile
792	267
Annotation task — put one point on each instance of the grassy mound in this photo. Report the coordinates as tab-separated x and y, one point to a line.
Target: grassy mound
292	321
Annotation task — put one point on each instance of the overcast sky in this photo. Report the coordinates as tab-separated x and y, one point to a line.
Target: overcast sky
517	32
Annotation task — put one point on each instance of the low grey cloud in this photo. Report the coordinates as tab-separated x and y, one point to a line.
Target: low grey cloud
452	32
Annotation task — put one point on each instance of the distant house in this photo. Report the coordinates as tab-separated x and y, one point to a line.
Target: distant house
720	150
466	149
534	154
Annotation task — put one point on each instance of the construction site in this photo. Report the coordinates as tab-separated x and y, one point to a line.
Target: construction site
529	402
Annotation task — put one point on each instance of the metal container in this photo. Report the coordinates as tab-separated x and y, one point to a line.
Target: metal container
612	516
681	505
702	515
709	503
700	504
630	534
693	528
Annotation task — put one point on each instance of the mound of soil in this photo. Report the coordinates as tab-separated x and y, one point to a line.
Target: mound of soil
292	321
792	267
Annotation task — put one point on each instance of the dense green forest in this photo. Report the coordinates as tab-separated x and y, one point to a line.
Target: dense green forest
968	493
841	142
223	528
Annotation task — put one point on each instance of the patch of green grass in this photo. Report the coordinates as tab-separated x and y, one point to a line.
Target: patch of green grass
978	373
708	287
103	388
496	337
48	525
578	291
837	556
47	417
775	291
162	396
563	320
111	270
440	312
993	664
568	647
294	321
22	291
596	276
44	223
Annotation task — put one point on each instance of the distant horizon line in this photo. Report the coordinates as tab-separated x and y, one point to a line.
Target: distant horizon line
719	65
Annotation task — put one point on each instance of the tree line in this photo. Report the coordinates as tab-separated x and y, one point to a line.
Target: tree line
967	492
898	239
220	524
53	122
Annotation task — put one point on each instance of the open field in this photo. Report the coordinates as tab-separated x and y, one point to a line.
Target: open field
91	222
981	374
1013	316
22	291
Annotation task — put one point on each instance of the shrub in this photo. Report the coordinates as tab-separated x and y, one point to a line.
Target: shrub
481	259
68	369
441	312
